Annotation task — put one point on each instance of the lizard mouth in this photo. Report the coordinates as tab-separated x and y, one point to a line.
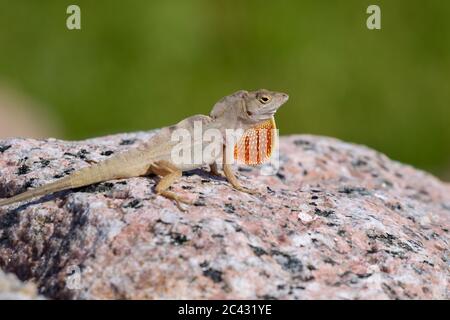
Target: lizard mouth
270	112
264	113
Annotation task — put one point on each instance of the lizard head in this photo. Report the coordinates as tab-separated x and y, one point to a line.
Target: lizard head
253	114
250	107
262	104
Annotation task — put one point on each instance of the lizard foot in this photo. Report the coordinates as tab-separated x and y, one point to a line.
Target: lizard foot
247	190
178	200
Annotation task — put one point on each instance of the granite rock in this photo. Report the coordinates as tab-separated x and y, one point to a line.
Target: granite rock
12	288
336	221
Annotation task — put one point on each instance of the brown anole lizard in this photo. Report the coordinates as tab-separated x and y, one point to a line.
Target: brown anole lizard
252	112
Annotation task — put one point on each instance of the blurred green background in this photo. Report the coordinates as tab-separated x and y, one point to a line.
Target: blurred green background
137	65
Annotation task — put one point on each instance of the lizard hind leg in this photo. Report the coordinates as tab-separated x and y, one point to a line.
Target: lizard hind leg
169	174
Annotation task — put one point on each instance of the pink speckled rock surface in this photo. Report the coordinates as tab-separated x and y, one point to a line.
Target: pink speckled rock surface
338	221
13	289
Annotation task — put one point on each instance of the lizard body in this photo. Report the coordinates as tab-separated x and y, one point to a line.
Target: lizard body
240	110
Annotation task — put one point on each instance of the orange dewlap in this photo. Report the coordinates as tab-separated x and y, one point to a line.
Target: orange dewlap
256	144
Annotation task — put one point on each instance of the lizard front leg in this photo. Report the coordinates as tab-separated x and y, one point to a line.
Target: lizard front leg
169	174
227	169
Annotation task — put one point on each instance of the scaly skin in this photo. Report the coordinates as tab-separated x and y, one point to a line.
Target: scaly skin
241	110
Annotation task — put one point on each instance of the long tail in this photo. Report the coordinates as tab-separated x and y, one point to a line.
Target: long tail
106	170
62	184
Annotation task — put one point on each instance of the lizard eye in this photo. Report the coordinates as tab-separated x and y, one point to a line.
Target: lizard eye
265	99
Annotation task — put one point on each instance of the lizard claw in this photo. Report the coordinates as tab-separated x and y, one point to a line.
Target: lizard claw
180	200
247	190
179	206
251	191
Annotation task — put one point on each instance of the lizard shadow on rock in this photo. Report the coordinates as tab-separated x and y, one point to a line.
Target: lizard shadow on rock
204	174
39	200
